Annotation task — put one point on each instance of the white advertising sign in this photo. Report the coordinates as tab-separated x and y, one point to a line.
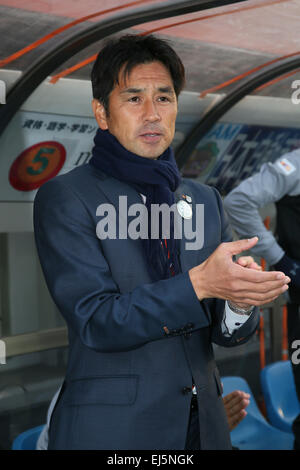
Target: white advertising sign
38	146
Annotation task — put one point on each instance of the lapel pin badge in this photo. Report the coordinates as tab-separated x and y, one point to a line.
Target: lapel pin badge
186	197
184	209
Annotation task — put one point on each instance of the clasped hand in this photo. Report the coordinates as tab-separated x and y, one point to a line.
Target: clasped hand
241	282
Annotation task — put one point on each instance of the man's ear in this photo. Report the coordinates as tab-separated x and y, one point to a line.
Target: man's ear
100	114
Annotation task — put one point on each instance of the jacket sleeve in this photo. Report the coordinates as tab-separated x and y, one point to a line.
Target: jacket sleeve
243	333
81	284
270	184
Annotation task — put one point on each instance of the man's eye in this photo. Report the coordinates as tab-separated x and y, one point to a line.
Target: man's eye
164	99
134	99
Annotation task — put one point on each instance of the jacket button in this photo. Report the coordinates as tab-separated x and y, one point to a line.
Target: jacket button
186	390
187	334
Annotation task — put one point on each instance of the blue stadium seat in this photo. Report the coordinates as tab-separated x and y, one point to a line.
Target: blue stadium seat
254	432
278	387
27	440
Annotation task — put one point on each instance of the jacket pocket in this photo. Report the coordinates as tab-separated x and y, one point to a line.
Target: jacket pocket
102	390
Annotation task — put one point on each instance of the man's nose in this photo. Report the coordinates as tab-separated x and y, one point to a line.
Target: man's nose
151	112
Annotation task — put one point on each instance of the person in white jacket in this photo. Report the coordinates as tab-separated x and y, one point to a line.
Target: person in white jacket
278	183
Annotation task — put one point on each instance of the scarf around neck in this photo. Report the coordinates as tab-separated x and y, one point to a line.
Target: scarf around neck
157	180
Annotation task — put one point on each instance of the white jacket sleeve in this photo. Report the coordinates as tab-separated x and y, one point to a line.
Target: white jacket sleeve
270	184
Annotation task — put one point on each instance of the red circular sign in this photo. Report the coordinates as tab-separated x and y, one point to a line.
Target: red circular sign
36	165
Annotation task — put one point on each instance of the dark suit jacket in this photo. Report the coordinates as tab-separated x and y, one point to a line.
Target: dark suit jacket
128	382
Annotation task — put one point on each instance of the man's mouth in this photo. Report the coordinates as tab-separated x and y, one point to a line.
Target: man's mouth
151	137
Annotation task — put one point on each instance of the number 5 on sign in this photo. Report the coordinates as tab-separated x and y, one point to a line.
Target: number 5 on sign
42	157
36	165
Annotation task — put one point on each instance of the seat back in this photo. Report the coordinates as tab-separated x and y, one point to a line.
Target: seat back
280	394
27	440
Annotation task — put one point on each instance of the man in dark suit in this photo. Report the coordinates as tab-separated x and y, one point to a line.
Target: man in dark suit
142	303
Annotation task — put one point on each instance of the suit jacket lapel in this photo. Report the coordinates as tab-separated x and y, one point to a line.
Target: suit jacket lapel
187	257
114	188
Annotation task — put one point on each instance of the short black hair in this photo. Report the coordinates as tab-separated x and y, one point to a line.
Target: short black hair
128	51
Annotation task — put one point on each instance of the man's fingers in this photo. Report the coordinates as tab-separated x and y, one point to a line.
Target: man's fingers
234	404
218	276
233	422
235	396
248	262
243	288
264	287
237	407
238	246
257	298
254	275
245	260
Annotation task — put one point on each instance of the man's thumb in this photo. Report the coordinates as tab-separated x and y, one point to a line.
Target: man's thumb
242	245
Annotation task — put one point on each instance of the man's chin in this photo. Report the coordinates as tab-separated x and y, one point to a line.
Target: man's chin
152	151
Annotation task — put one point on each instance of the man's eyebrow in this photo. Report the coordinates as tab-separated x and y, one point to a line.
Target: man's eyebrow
167	89
132	90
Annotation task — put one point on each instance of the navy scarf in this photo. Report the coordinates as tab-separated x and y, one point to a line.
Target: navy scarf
157	180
